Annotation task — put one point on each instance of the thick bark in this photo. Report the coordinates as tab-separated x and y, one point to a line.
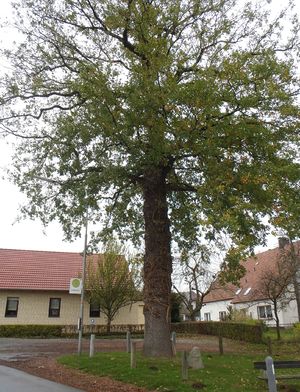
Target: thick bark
157	266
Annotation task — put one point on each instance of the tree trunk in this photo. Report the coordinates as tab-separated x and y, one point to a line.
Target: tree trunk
192	316
108	325
157	266
277	321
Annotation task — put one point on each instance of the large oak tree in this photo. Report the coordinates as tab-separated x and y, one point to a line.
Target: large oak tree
167	119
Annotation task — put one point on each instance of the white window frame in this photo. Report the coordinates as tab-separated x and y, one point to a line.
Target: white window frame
264	312
222	315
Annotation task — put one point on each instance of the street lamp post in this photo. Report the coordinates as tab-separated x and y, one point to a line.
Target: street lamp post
81	313
80	321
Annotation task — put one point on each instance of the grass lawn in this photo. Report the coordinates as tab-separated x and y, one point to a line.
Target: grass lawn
287	334
227	373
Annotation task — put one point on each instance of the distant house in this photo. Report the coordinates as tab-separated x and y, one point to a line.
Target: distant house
247	296
34	289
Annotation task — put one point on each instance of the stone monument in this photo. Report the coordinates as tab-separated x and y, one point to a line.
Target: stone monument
194	359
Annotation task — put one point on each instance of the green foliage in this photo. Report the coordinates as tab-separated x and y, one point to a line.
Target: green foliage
109	281
121	89
48	331
241	316
25	331
175	307
231	330
296	331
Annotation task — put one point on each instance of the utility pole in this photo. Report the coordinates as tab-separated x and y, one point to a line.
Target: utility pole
80	321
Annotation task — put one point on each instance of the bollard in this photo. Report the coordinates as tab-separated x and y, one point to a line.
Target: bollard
271	374
128	341
92	345
133	355
184	366
221	349
173	340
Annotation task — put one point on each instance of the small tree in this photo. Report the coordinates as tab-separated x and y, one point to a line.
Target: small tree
110	282
175	307
276	285
193	269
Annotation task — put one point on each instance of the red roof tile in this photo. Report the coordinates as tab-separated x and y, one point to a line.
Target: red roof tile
38	270
220	293
249	285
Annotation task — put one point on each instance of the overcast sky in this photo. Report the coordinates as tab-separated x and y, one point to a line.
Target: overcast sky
31	234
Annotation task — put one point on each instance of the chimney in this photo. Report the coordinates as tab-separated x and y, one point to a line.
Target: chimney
282	242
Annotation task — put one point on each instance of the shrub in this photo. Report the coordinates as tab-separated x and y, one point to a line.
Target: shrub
296	330
237	331
48	331
22	331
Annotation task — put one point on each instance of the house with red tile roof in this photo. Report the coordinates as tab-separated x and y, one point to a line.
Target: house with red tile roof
249	296
34	289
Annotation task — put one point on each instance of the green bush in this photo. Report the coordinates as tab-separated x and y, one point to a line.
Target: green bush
296	330
237	331
70	331
22	331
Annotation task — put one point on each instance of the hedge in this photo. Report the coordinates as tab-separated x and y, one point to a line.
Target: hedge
22	331
237	331
48	331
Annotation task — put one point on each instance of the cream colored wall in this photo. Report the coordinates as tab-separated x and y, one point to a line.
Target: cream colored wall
34	307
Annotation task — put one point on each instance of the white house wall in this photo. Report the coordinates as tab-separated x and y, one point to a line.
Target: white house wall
214	308
287	317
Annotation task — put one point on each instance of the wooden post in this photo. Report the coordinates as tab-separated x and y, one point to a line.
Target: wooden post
92	345
184	366
269	344
271	374
173	340
221	349
128	341
133	355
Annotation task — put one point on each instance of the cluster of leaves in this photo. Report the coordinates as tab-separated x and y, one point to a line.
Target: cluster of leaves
110	282
197	89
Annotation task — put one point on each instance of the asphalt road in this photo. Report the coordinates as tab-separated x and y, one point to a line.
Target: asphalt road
13	380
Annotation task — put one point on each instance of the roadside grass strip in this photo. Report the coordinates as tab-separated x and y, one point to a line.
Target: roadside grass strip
227	373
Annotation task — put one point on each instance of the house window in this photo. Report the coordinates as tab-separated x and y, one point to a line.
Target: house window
94	310
12	305
264	312
54	307
222	316
206	316
247	291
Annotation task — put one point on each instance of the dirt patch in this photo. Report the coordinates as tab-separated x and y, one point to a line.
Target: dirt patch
47	367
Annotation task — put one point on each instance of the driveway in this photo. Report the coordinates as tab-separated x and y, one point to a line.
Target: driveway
13	380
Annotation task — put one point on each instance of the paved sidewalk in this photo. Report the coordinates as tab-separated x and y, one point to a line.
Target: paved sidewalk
13	380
